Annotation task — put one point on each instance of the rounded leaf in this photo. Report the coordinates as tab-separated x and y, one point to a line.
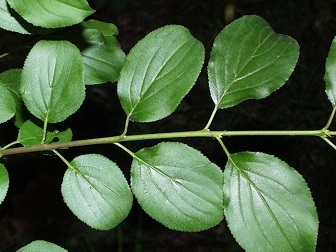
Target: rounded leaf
268	205
39	246
7	104
178	186
52	83
52	13
249	61
159	72
330	74
96	191
4	182
8	21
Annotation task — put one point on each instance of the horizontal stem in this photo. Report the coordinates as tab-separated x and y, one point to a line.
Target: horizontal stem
170	135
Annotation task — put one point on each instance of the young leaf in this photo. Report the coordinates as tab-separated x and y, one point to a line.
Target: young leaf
31	134
4	182
52	14
38	246
8	21
268	205
96	191
7	104
52	84
102	57
12	80
249	61
159	72
177	186
107	29
330	74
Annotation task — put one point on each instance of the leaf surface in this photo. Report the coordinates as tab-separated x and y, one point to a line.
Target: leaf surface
52	83
39	246
4	182
96	191
178	186
9	21
159	72
268	205
52	13
330	74
7	104
249	61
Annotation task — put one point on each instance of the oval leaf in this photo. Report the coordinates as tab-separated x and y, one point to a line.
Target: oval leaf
268	205
249	61
4	182
96	191
7	104
39	246
52	14
330	74
9	21
178	186
159	72
52	84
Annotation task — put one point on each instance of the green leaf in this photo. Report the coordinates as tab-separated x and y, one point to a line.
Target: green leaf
96	191
107	29
268	205
102	56
159	72
330	74
39	246
4	182
31	134
7	104
52	84
52	14
178	186
249	61
9	21
12	80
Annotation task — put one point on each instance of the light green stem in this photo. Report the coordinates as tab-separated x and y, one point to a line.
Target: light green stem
211	117
330	118
171	135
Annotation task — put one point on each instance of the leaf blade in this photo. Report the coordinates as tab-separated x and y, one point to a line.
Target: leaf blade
249	61
330	73
7	104
181	193
266	197
4	182
96	191
159	71
39	245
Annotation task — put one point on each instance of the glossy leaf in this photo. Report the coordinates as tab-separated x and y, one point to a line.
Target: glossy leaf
52	84
107	29
32	134
268	205
12	80
158	73
39	246
330	74
9	21
96	191
7	104
102	56
52	13
249	61
178	186
4	182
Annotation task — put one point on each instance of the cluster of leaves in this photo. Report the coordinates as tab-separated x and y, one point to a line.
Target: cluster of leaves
266	203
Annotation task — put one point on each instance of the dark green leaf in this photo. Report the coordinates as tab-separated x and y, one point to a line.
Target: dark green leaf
249	61
7	104
52	14
8	21
52	85
31	134
41	246
12	80
268	205
159	72
330	74
4	182
177	186
96	191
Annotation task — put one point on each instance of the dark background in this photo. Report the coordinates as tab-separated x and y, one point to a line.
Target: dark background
33	208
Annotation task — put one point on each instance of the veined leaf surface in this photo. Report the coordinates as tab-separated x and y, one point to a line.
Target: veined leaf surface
4	182
7	104
330	74
39	246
